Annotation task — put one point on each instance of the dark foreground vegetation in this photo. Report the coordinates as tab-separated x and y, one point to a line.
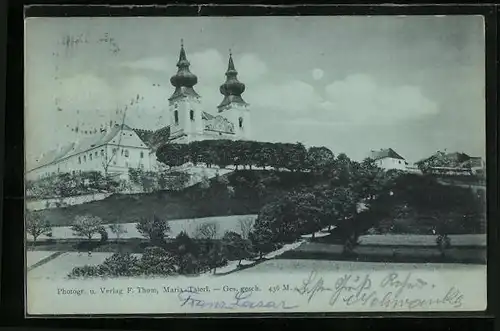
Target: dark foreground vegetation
313	193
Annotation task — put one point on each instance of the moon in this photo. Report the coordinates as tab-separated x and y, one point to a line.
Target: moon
317	74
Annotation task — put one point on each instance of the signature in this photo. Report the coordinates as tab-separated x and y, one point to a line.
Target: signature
390	292
241	300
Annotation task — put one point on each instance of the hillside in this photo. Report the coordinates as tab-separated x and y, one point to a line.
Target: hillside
241	192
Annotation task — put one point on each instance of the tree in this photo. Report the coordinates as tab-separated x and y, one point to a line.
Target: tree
236	247
184	244
173	154
261	238
245	225
106	159
117	229
204	185
319	158
36	226
341	170
216	256
207	231
153	228
87	226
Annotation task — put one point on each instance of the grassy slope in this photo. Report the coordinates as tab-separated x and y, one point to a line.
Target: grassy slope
193	202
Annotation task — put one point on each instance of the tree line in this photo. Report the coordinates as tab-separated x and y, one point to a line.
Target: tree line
246	154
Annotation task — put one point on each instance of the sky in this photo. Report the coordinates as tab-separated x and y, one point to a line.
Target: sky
353	84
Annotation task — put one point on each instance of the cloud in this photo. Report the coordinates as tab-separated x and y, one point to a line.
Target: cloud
152	63
84	91
250	67
208	65
357	100
360	98
295	98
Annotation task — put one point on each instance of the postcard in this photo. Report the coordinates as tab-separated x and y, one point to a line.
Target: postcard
186	165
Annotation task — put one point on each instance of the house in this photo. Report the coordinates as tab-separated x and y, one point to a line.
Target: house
452	164
388	159
111	151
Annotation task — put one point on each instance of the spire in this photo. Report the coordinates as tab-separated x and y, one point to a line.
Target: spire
183	80
232	89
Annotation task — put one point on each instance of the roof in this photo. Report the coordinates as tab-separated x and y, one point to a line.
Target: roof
384	153
473	162
207	116
229	99
442	159
154	139
81	146
183	91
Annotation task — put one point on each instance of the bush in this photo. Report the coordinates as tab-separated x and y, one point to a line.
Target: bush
157	262
85	272
120	265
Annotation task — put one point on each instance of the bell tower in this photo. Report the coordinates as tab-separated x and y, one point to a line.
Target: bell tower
233	107
186	123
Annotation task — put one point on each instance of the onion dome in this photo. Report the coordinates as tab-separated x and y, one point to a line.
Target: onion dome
232	89
183	80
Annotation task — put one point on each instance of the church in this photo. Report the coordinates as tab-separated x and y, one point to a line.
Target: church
115	147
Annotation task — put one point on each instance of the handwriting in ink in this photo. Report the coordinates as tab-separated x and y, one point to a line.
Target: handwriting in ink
312	285
241	300
389	293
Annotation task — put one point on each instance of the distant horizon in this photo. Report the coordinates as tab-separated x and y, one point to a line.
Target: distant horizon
420	90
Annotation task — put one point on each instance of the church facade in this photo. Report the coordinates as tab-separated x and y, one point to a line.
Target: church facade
115	147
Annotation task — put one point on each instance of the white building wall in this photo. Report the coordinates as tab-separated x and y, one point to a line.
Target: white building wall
390	163
129	149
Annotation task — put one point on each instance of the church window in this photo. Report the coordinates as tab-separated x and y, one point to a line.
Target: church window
122	151
191	115
176	117
95	154
79	160
102	152
84	158
110	123
114	150
126	153
90	156
142	155
241	122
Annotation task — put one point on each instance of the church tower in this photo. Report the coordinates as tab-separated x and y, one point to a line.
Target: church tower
233	107
186	123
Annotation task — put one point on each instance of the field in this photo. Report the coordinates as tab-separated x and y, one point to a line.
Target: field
224	223
36	256
62	265
422	240
289	265
192	202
